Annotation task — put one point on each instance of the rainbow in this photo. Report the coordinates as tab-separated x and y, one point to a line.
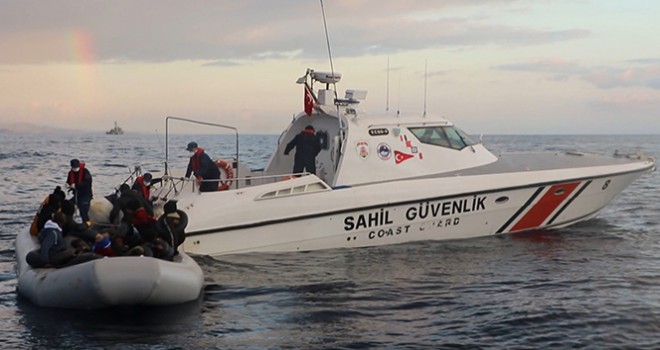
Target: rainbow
81	46
82	57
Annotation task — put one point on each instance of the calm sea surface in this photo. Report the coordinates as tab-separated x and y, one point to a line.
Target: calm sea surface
595	285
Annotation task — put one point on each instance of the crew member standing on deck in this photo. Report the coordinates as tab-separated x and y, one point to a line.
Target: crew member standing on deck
203	168
79	182
308	146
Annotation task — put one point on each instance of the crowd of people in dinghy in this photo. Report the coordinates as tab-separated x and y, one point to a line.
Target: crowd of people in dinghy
131	229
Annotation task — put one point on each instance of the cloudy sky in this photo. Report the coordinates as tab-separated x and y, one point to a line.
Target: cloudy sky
491	66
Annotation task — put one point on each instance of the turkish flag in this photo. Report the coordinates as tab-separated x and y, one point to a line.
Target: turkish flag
400	157
309	100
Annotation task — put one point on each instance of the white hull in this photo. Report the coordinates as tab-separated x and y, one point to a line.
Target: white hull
403	211
108	282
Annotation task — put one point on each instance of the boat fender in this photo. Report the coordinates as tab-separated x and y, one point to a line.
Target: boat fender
229	174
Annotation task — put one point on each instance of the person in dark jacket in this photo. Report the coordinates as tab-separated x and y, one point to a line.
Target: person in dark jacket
79	181
51	205
307	146
142	220
124	196
53	251
171	226
71	228
203	167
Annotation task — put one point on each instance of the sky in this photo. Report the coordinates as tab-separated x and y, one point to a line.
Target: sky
490	66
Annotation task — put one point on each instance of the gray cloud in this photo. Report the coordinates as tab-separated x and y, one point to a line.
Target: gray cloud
227	32
549	65
654	60
603	77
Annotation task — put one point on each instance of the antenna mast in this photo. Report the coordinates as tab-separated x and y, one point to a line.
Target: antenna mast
327	40
387	97
332	69
425	76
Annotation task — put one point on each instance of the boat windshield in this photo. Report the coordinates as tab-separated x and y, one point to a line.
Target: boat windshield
444	136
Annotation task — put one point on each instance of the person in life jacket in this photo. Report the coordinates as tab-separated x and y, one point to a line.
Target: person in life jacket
203	168
143	185
50	205
307	146
79	182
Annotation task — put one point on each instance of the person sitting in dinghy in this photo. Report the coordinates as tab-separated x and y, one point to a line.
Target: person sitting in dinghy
124	196
203	167
171	226
71	228
103	245
307	146
53	251
142	235
142	221
50	205
142	185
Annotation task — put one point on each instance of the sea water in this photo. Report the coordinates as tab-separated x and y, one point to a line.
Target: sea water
595	285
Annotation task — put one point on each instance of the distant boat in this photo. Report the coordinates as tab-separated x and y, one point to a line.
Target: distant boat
115	131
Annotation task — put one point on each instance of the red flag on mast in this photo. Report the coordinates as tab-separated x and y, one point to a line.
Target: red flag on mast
309	100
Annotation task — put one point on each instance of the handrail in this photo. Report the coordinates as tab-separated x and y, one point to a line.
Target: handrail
304	173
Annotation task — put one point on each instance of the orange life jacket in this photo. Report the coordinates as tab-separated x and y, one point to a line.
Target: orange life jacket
144	189
73	179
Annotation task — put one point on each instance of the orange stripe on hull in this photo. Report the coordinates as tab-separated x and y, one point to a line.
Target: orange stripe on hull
540	212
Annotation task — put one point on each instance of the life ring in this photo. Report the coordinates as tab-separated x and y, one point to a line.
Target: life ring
229	174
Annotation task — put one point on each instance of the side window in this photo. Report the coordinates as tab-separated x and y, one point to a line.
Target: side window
431	135
461	138
455	139
448	136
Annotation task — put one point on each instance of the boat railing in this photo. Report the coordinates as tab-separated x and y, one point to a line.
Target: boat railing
221	126
270	178
178	184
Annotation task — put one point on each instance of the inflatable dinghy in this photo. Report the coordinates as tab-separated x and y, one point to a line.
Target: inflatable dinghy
106	282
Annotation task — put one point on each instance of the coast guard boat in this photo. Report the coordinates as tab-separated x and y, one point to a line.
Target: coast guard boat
386	179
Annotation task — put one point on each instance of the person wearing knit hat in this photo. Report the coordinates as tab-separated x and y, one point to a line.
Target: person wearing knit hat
103	245
172	225
170	207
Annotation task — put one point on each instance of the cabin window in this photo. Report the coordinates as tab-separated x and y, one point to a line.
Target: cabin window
283	192
444	136
302	189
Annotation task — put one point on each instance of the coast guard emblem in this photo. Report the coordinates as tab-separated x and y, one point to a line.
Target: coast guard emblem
384	151
362	148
